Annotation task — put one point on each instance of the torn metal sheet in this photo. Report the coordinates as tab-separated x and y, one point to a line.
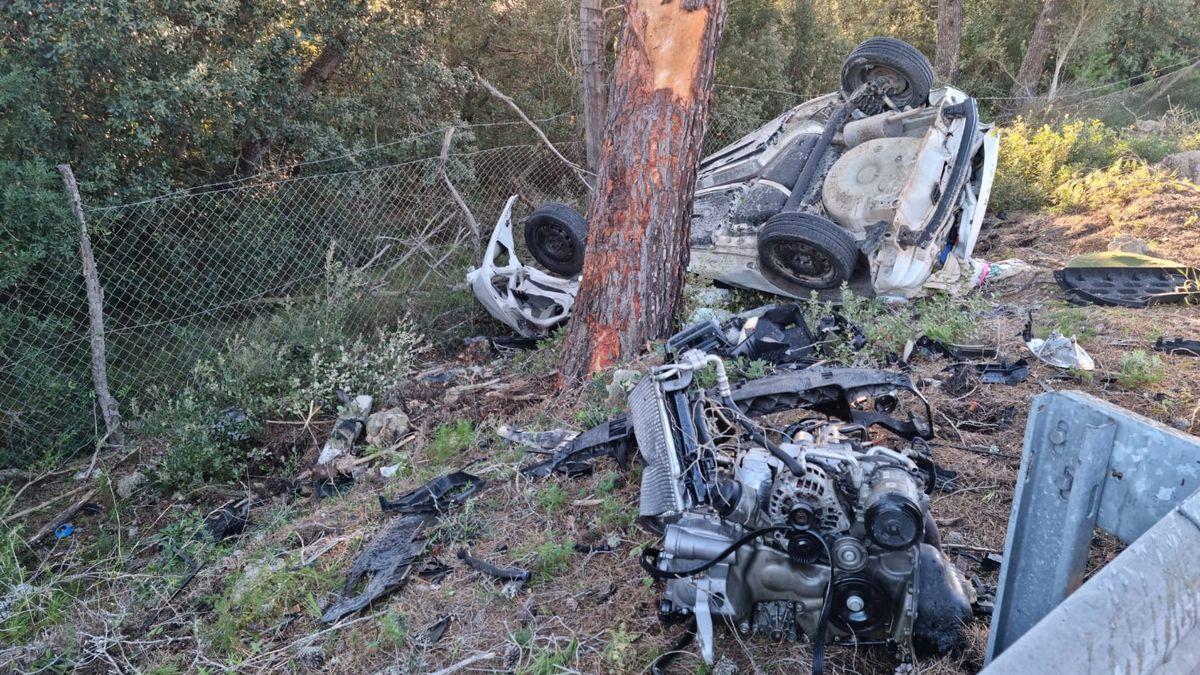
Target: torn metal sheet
524	298
383	565
928	345
437	495
537	441
1121	279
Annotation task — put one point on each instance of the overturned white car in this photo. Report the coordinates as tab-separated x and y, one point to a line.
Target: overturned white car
881	186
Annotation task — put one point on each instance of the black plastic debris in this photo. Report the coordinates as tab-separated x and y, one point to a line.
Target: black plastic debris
228	520
836	325
1178	346
930	346
384	563
1119	279
436	631
495	571
335	486
613	438
1003	372
436	495
777	334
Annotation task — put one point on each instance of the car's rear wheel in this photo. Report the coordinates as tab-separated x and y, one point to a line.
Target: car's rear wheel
556	235
806	250
897	70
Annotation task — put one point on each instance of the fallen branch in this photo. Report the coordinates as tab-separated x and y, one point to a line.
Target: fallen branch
580	172
470	660
48	502
462	205
63	515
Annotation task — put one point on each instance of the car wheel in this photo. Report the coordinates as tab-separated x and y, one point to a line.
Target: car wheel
897	69
806	250
556	235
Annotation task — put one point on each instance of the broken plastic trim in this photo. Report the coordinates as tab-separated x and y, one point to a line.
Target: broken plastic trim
386	560
1178	346
495	571
611	439
436	495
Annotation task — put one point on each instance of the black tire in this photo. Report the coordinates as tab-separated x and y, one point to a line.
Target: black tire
556	235
806	250
900	68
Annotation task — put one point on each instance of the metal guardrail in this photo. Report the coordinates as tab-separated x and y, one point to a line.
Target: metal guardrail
1086	464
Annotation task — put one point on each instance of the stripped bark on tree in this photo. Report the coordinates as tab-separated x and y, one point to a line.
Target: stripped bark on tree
637	250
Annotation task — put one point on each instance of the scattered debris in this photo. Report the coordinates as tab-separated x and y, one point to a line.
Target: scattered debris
389	471
1003	372
332	486
495	571
349	427
538	441
1059	351
387	427
1127	280
64	530
228	520
387	560
929	346
608	439
434	633
1178	346
437	495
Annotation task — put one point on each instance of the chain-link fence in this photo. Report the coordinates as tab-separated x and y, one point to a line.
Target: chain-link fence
184	273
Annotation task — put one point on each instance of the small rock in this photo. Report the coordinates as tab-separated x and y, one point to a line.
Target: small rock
1185	164
1182	423
127	485
311	657
572	604
1126	243
386	427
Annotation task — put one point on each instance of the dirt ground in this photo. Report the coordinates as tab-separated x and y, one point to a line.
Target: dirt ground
594	611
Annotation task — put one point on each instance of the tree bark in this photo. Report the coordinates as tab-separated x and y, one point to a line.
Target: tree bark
637	250
109	409
595	97
949	39
254	150
1034	63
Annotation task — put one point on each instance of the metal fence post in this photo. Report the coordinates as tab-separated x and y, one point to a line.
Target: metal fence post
95	299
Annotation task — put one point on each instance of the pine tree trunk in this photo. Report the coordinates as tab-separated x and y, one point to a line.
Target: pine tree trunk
1034	63
637	250
595	96
949	39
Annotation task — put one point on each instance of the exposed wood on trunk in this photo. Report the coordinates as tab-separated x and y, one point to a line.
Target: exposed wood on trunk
254	150
476	237
579	171
949	39
637	249
1033	65
109	409
595	94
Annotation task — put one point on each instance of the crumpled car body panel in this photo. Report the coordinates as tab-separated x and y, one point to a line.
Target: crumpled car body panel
726	250
526	299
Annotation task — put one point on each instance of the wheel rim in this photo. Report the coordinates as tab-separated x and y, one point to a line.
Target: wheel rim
555	243
802	263
887	81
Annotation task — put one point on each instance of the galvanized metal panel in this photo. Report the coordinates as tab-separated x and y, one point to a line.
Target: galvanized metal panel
1088	463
